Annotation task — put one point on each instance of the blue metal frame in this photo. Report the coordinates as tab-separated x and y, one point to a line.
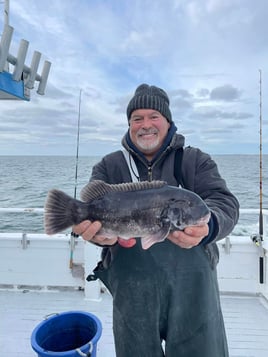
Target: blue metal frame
10	89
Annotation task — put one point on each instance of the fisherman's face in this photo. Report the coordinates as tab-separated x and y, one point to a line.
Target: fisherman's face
148	129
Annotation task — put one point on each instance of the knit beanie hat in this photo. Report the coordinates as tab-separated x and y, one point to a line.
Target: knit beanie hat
150	97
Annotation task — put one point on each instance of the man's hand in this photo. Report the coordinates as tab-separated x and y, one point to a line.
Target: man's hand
89	232
190	237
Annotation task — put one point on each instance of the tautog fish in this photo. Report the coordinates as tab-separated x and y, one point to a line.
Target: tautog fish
146	210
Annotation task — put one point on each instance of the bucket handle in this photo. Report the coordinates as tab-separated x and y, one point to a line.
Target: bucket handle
49	315
85	354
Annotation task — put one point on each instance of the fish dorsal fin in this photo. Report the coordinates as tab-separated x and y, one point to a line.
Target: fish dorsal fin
98	188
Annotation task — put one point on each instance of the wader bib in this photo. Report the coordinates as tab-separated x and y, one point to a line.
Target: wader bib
164	293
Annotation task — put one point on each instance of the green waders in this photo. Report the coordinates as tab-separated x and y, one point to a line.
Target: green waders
166	294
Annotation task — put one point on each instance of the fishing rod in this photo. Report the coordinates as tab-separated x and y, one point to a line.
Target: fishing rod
260	238
73	235
77	143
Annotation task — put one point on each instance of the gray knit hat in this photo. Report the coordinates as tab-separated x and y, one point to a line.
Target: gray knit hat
150	97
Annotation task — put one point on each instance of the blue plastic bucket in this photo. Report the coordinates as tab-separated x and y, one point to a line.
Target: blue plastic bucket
67	334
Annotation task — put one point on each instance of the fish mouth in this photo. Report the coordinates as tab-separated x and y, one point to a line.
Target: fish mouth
200	222
203	220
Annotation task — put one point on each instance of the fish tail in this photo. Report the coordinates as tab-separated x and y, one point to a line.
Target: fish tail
61	212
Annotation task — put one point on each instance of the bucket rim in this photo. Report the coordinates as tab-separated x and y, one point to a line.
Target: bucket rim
37	348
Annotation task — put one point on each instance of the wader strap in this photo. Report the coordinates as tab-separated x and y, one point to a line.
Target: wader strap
177	166
131	166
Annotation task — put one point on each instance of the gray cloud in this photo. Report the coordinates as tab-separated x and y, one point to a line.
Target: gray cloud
202	92
214	113
226	93
181	104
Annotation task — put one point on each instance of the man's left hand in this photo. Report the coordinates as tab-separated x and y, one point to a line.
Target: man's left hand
189	237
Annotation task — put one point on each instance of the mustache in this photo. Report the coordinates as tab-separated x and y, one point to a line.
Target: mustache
147	131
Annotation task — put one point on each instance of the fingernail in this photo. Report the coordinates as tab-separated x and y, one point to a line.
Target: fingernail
97	225
188	231
85	225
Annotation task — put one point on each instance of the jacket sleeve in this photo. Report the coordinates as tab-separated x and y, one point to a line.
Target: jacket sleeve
201	175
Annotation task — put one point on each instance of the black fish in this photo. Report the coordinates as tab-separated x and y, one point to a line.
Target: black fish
148	210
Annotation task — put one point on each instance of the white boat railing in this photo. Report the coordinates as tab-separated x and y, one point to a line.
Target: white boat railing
250	211
21	210
38	259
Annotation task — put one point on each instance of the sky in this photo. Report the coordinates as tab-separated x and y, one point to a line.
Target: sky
206	54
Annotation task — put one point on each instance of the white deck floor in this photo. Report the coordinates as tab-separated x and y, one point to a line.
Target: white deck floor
246	320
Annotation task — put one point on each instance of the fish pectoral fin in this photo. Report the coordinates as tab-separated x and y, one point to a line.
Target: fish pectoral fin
160	236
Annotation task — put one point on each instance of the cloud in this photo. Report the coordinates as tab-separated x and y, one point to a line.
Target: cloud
204	53
225	93
202	92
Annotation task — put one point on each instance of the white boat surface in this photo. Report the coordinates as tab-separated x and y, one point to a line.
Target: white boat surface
36	281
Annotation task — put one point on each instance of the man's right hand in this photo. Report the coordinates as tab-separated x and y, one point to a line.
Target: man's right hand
89	231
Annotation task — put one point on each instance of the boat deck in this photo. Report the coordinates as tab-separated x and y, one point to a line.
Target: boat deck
246	319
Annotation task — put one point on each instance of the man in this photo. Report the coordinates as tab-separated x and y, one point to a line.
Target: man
170	291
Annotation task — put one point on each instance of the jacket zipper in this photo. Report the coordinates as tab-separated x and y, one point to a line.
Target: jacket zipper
150	167
150	173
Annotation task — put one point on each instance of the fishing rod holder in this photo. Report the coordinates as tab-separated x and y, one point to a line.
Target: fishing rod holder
17	85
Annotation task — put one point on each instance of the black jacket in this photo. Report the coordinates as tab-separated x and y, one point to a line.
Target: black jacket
199	173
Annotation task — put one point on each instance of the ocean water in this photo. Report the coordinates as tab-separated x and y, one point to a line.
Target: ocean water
25	181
